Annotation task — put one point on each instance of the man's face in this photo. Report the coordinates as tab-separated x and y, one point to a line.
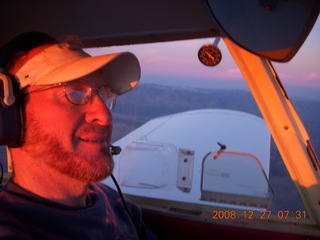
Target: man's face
72	139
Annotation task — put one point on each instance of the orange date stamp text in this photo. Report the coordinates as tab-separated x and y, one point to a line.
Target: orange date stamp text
265	214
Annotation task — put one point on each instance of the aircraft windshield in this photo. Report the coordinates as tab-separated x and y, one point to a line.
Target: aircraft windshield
170	124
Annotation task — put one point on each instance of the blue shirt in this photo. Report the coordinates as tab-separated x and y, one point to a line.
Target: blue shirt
24	215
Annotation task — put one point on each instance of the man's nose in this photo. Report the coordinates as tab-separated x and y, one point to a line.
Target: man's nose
98	112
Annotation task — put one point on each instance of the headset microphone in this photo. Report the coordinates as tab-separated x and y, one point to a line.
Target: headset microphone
115	150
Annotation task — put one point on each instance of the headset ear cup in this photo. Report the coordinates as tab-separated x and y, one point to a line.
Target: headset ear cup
10	120
11	115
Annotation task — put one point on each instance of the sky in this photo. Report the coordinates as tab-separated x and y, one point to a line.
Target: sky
304	69
176	63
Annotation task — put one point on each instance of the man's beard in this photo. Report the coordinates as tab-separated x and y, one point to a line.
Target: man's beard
50	150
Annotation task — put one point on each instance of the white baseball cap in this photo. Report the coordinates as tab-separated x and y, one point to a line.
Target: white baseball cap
63	62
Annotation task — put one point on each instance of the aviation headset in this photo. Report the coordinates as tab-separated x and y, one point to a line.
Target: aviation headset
11	103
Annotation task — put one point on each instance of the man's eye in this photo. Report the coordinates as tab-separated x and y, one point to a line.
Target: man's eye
75	94
78	97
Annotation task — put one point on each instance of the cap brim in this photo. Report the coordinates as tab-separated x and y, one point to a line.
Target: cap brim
121	71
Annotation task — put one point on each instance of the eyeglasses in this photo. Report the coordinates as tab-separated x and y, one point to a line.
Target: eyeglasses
80	92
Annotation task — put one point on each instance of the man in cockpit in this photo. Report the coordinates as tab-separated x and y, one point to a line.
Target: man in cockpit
65	97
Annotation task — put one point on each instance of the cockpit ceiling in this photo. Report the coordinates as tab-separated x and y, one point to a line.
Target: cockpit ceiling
107	22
